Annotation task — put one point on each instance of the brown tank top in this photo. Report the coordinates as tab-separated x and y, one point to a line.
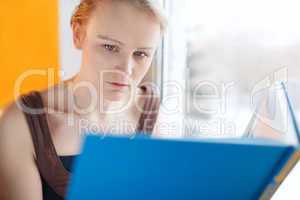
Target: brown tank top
48	162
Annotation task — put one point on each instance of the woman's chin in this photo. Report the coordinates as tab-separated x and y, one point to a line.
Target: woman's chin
116	96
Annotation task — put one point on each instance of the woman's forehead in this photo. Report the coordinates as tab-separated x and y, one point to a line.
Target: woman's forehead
124	22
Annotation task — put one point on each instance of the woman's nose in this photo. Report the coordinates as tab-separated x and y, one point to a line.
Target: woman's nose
126	65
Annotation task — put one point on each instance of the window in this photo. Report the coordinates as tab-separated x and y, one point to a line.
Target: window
219	53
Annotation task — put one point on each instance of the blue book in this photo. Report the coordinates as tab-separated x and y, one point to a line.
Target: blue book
181	169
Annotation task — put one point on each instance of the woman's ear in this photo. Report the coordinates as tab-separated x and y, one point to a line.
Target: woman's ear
78	35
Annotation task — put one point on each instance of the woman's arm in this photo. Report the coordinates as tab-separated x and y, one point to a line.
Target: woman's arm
19	176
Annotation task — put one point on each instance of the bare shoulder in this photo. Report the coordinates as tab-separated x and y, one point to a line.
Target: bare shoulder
17	166
14	132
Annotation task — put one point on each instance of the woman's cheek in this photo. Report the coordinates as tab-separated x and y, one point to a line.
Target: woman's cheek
101	60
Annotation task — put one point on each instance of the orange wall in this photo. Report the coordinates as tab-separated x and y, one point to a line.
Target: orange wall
28	40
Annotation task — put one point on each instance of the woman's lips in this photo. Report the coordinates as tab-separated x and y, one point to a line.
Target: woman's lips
120	85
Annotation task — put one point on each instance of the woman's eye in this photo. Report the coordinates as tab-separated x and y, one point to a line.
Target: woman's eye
141	54
110	47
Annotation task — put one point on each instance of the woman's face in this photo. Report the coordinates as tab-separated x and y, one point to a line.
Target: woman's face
118	44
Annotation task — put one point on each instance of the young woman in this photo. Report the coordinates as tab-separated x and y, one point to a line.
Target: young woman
41	132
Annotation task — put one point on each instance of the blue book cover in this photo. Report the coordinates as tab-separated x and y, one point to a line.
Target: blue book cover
141	168
145	168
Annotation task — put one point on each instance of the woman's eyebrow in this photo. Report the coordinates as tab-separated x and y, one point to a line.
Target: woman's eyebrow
104	37
146	48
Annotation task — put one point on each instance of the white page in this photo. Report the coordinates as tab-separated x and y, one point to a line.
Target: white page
273	119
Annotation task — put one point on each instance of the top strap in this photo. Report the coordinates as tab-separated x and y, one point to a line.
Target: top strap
150	112
48	162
